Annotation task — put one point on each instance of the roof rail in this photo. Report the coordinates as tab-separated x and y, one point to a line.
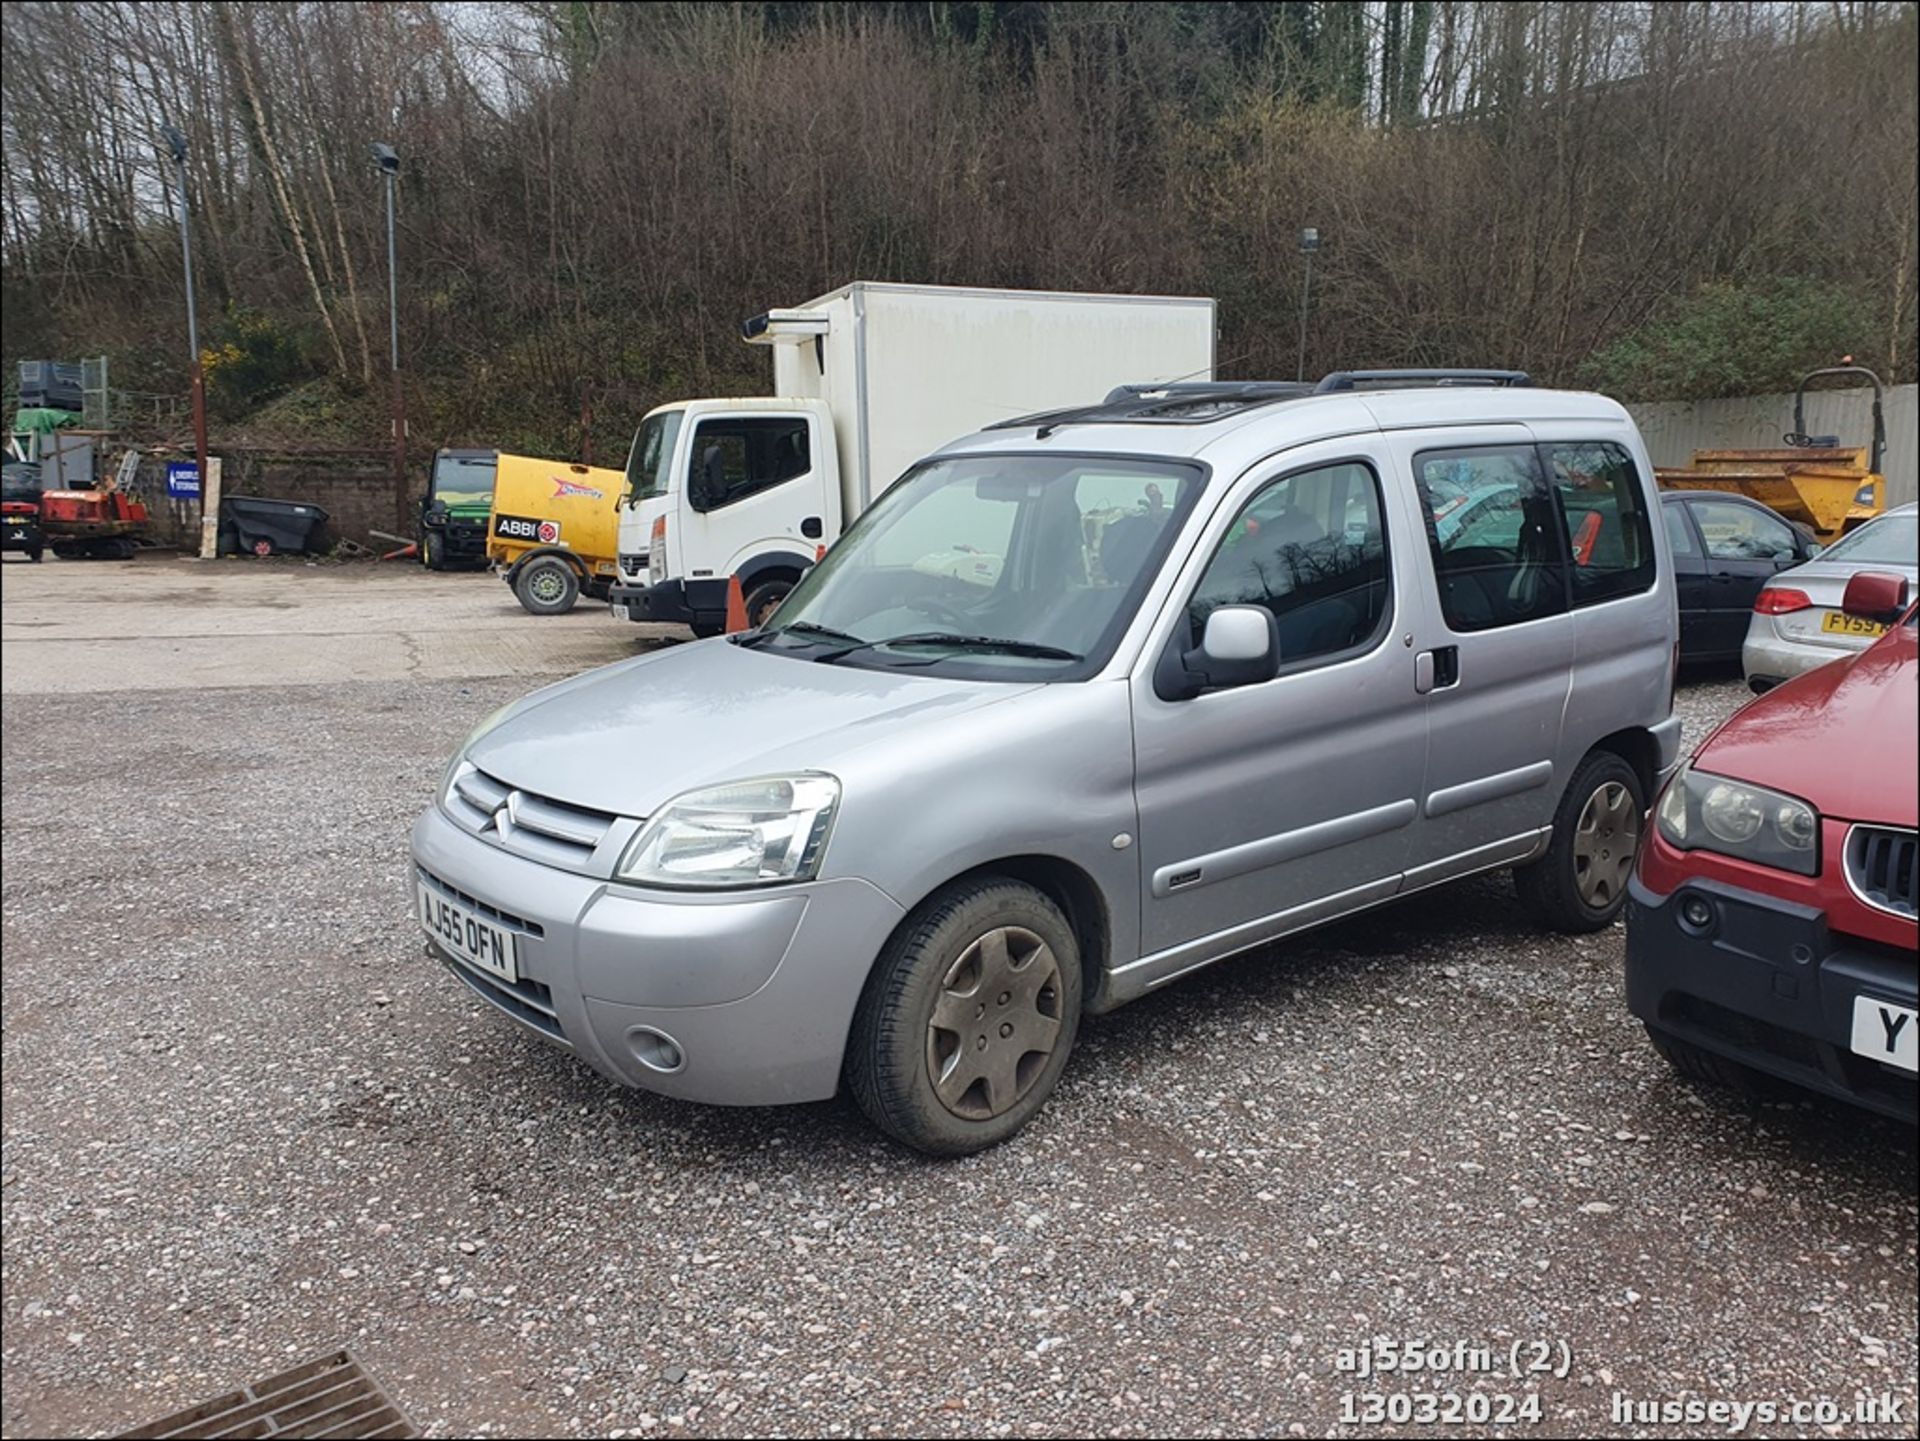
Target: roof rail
1243	389
1354	379
1176	402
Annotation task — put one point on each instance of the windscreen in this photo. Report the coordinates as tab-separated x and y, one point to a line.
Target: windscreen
1014	567
20	482
652	456
463	480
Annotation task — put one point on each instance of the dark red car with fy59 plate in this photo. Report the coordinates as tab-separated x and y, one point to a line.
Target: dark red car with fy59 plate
1771	929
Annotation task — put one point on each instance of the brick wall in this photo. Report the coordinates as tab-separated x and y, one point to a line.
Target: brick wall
356	492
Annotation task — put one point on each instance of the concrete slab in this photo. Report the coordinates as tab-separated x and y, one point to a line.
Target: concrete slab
164	622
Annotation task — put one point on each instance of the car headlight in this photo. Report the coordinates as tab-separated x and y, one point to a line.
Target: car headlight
459	756
1705	812
744	833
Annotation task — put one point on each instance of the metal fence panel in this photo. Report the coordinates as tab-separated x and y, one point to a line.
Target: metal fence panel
1674	429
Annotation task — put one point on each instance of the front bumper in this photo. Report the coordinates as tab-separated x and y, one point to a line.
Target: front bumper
755	989
672	602
1769	985
463	539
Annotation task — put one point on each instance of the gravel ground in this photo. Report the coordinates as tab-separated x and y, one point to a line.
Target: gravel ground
246	1121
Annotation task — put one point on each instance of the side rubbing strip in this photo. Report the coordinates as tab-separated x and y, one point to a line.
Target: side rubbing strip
1198	871
1489	788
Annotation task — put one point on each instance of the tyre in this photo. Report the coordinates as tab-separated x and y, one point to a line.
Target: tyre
1709	1068
34	554
433	551
764	599
967	1019
547	585
1580	884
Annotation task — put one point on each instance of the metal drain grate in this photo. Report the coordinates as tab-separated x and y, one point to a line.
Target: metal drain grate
329	1396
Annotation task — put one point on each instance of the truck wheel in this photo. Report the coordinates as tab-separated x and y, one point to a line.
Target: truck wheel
764	599
547	586
1580	884
1694	1063
433	554
967	1019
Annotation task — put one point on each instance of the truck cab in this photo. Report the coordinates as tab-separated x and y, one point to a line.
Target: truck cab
724	488
868	379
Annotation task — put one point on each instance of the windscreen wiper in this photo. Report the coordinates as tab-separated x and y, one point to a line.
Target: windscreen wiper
803	629
1027	648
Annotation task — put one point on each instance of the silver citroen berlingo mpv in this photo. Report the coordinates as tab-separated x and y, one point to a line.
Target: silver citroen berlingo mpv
1081	704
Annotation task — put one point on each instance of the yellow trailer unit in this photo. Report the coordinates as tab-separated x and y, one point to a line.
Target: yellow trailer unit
1812	480
553	532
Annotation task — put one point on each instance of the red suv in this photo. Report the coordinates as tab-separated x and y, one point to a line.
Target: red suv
1770	924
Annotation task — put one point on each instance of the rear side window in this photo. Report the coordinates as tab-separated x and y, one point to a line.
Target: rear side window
1741	532
1679	533
1311	548
1609	534
1495	533
736	458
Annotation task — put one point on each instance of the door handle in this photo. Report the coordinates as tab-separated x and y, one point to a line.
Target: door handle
1436	669
811	527
1723	577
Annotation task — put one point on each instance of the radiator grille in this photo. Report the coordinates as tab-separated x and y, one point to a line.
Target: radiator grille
535	826
1883	867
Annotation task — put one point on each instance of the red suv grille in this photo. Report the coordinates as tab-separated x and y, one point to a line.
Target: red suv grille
1883	867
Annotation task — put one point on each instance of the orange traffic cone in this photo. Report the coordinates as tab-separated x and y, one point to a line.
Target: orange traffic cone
736	605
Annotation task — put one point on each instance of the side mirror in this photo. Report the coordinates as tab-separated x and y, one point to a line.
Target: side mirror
1875	595
1240	646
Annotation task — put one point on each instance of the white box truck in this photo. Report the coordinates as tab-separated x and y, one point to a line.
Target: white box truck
867	380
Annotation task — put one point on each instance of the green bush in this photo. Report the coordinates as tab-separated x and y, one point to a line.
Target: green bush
1728	338
252	360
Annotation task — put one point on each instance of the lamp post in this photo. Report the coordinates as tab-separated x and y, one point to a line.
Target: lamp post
388	159
1309	242
177	143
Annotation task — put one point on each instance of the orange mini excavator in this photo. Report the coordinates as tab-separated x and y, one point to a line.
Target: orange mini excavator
102	524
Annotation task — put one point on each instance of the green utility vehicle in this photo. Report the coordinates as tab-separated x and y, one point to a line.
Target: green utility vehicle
453	514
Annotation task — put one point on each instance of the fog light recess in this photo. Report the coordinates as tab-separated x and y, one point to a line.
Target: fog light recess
1697	914
656	1050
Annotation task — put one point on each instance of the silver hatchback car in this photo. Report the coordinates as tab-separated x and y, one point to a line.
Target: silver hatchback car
1799	620
1211	674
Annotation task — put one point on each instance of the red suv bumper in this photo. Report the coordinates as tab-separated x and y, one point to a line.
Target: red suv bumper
1768	981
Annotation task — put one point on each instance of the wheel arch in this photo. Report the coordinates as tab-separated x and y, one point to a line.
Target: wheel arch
527	557
1061	881
771	565
1636	746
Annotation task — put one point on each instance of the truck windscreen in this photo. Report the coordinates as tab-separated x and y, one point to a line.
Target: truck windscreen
652	457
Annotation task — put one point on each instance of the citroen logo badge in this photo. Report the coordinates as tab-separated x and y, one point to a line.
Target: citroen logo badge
507	814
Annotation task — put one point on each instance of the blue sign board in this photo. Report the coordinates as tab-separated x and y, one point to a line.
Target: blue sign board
183	480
